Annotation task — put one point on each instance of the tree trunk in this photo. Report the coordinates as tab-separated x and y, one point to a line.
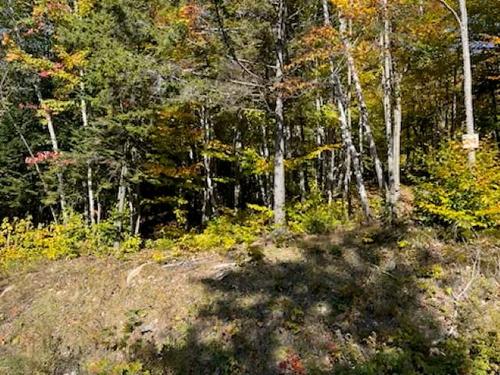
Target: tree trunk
320	141
303	168
387	84
37	168
55	149
122	192
398	113
330	177
237	174
346	132
208	193
463	22
279	153
121	200
90	188
353	153
469	107
363	109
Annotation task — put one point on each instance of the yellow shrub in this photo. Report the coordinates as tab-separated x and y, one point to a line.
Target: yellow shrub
457	195
21	242
222	233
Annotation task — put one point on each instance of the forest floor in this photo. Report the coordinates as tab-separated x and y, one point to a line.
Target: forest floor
362	301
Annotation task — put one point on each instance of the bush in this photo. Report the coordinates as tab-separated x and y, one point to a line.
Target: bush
458	196
227	231
22	243
314	215
221	234
106	367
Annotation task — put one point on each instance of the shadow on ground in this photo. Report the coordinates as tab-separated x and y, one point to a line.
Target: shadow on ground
349	303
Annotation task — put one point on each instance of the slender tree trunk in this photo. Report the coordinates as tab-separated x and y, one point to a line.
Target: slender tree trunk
463	22
353	153
387	85
264	178
279	153
208	195
83	108
237	183
330	177
468	98
37	168
121	200
320	141
303	168
346	132
363	109
99	208
90	187
55	149
137	228
122	192
398	113
455	102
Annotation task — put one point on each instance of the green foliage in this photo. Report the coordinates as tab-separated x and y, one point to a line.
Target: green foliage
314	215
459	196
221	234
106	367
22	243
227	231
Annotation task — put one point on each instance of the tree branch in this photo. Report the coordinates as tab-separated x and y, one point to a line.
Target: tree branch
227	41
453	11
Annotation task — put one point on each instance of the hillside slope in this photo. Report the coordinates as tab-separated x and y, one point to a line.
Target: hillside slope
366	301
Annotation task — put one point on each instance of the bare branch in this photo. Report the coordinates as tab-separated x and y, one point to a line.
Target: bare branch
453	11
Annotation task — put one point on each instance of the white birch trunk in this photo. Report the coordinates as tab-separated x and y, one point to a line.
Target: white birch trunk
279	153
398	114
352	153
387	85
208	192
237	183
55	149
468	98
363	109
90	188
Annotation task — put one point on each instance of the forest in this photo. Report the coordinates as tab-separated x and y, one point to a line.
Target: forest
249	187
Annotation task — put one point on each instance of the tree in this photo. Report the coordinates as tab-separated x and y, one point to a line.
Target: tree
463	22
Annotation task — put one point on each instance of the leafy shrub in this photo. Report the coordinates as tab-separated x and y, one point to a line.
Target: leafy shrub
227	231
22	243
314	215
221	234
457	195
105	367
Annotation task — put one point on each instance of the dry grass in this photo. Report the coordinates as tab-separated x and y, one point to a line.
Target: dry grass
333	304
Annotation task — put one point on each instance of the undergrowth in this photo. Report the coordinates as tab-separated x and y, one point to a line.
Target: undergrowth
226	232
457	196
22	243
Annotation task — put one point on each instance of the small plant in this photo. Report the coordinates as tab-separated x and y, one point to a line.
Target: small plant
22	243
314	215
292	364
456	195
106	367
130	244
225	232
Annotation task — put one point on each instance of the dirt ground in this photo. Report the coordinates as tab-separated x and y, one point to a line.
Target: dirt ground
343	303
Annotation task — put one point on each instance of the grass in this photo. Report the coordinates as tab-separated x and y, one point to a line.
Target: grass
362	301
